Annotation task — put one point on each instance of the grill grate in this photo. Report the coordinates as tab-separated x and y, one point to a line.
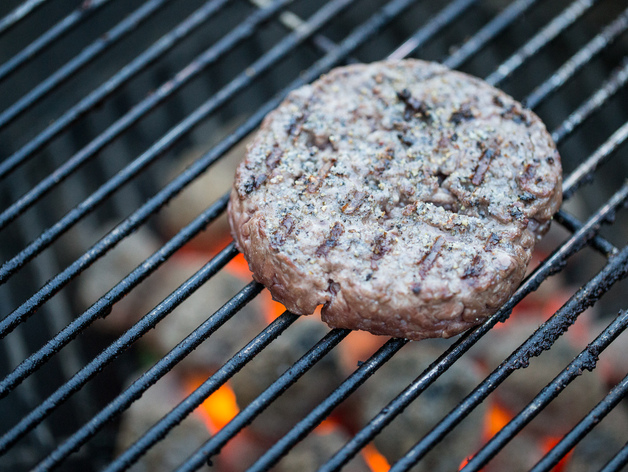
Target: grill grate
139	111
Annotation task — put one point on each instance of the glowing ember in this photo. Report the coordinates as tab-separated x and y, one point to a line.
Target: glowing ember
239	267
496	418
219	408
272	309
375	461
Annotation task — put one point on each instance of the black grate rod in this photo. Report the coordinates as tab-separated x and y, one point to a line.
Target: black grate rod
394	8
179	412
559	24
618	462
542	339
439	21
253	409
586	360
291	21
486	34
122	124
103	305
607	90
585	170
572	224
18	14
554	263
46	39
99	94
572	438
147	322
87	55
162	367
579	60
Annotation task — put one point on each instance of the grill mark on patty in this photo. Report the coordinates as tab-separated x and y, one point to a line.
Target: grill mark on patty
253	183
475	268
332	240
429	258
464	113
316	181
273	158
488	154
414	106
491	242
381	246
285	228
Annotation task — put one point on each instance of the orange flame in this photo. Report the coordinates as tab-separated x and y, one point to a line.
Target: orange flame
374	459
219	408
239	267
496	418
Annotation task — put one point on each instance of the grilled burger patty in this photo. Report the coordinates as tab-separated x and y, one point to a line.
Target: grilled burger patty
403	196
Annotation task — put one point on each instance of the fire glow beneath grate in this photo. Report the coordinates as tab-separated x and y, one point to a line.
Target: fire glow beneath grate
120	286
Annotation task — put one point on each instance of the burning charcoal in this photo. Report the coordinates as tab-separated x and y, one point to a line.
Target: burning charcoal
182	441
422	414
316	449
301	397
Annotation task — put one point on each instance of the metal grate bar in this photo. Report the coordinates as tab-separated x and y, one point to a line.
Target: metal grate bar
559	24
579	60
143	60
609	402
122	124
170	190
160	429
549	266
542	339
306	425
572	224
19	14
488	32
165	364
87	55
101	307
618	462
587	359
445	17
46	39
582	174
609	88
147	322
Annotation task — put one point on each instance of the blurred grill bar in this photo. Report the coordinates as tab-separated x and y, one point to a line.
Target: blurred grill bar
88	54
19	14
54	33
143	60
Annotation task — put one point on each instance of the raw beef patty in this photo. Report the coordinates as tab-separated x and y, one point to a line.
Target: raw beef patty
403	196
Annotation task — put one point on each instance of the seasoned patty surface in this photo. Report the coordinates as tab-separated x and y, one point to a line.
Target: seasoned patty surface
403	196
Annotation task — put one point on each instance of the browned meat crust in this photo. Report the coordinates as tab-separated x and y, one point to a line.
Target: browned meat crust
403	196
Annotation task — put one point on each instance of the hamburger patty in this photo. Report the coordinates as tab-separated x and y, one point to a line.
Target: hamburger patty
403	196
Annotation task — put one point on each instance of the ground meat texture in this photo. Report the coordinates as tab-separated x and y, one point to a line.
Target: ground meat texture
402	196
